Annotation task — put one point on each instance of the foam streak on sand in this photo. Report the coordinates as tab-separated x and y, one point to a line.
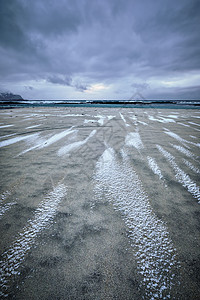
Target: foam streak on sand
13	258
152	246
68	148
154	167
181	176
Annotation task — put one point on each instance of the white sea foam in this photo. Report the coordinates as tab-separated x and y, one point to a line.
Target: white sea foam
184	151
71	147
191	166
181	176
13	258
133	140
193	137
5	126
152	246
17	139
154	167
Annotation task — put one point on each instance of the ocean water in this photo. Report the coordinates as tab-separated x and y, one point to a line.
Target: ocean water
103	103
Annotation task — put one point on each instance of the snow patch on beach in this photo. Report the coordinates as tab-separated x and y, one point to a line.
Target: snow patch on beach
191	166
180	139
194	123
180	175
8	135
122	117
152	247
183	124
34	126
5	207
71	147
172	116
184	151
5	126
143	123
161	120
154	167
101	120
90	121
133	140
47	142
17	139
13	258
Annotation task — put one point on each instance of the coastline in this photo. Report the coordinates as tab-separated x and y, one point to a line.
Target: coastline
74	170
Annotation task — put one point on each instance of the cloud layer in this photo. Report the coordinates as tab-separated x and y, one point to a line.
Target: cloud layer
63	49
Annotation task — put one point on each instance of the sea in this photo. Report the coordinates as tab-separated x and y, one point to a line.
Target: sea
183	104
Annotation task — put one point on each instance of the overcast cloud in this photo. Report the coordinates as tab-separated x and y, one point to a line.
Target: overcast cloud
72	49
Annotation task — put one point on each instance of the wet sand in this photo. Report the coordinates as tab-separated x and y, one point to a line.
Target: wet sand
100	203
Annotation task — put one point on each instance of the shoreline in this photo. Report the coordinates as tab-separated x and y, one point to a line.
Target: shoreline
93	182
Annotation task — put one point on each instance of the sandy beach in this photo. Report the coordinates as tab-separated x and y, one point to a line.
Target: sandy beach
100	203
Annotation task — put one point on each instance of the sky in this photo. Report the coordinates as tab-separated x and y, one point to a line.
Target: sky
100	49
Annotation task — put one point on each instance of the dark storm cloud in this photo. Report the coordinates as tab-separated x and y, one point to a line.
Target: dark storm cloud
98	40
66	80
63	80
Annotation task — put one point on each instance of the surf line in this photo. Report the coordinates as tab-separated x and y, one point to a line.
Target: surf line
13	258
153	249
180	175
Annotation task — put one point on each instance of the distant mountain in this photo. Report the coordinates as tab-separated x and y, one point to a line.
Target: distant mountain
10	97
